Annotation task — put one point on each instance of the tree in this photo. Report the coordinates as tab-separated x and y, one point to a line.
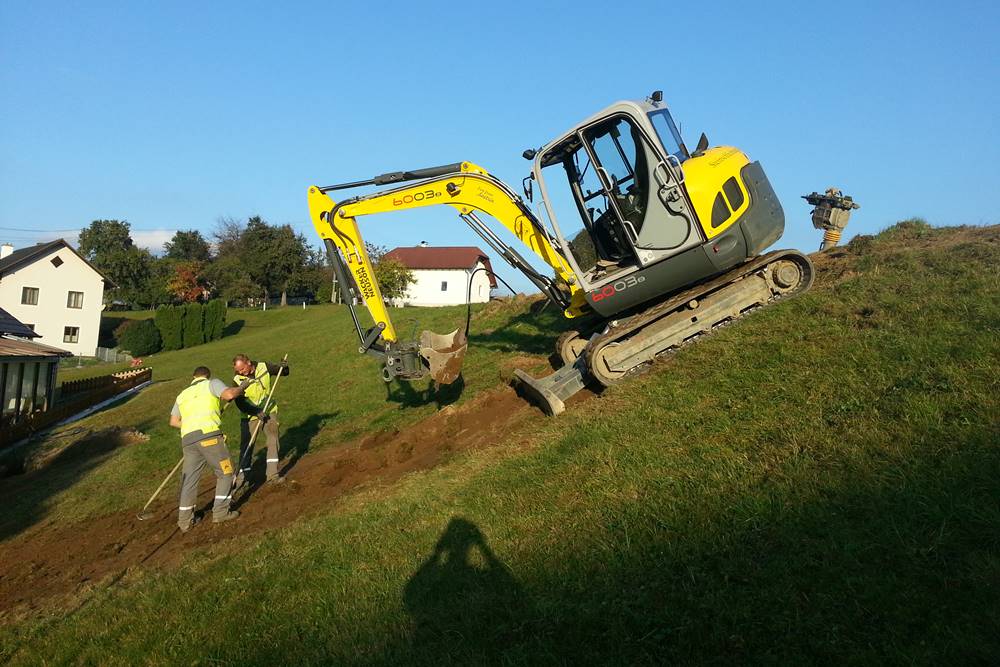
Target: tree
194	324
187	282
170	323
141	338
393	278
272	255
228	236
107	244
103	237
155	291
188	246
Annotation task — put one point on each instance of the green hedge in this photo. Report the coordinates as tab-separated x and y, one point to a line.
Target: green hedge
170	323
194	324
140	338
215	319
191	324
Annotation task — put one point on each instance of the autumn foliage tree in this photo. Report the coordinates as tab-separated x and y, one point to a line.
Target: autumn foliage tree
187	283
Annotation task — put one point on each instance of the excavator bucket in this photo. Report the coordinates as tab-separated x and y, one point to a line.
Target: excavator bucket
444	354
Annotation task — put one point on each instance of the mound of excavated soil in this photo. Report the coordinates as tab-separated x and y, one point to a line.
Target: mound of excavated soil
60	560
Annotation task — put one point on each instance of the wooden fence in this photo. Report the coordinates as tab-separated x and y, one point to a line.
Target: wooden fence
74	387
82	395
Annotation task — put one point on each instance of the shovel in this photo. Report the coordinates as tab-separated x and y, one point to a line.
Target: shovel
444	354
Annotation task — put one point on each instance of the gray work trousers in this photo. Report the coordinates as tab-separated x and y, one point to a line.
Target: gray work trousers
270	429
211	451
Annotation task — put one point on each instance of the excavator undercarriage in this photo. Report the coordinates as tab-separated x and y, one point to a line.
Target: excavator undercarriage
627	345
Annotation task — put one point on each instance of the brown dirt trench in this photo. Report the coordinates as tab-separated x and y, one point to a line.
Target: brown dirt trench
50	562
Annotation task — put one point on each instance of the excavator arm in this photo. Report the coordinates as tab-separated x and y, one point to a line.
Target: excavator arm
469	189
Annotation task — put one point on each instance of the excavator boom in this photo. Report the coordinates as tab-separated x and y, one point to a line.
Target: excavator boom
470	190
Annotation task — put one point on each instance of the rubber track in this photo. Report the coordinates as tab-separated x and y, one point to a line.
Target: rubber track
635	322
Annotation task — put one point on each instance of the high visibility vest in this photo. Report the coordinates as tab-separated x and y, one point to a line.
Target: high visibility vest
257	392
200	411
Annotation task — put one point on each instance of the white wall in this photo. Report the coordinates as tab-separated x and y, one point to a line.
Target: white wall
426	291
51	314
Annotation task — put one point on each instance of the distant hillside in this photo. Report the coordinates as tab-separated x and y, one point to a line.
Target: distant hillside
816	484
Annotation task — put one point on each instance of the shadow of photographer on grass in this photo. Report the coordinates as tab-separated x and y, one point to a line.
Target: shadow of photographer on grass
463	591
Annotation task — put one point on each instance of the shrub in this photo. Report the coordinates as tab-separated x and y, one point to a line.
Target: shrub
140	337
325	292
170	323
120	330
215	319
194	324
907	230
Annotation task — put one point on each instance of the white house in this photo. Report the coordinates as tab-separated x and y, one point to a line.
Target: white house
443	274
55	292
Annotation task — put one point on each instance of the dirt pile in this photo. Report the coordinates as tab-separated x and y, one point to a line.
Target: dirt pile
57	560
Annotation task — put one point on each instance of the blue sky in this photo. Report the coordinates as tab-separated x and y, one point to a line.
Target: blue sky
171	115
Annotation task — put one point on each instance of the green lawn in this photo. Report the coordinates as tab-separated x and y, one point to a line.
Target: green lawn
818	484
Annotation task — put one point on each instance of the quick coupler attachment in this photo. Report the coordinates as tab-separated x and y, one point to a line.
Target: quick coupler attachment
551	393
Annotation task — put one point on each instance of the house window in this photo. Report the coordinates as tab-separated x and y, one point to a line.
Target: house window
444	285
57	261
71	334
74	300
29	296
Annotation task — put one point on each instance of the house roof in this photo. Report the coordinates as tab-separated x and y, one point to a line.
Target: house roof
442	257
27	255
11	325
12	347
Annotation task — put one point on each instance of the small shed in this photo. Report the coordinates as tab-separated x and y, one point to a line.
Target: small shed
27	370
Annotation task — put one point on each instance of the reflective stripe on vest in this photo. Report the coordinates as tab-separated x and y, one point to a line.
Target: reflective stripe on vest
257	392
199	408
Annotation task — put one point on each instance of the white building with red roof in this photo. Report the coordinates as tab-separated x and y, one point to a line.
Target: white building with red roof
443	274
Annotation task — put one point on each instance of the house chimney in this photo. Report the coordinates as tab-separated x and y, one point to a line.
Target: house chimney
5	250
423	244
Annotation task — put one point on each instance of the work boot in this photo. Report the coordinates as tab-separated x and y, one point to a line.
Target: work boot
190	524
277	479
228	516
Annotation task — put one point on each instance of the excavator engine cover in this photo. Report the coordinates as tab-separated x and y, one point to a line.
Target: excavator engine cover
444	354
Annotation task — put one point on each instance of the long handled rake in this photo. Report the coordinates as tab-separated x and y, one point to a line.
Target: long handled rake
145	513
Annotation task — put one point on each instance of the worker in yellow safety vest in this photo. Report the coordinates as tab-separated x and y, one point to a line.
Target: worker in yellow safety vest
197	413
258	375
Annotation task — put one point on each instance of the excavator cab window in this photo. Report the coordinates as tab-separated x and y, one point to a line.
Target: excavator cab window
667	132
632	210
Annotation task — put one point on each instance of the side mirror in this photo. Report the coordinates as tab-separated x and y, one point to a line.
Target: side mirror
702	145
528	188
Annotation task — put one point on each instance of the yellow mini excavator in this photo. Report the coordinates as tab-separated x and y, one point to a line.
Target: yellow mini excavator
659	243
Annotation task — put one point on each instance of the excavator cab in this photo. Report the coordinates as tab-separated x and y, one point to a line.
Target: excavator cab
621	171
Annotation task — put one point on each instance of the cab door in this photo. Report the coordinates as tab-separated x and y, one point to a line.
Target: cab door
646	192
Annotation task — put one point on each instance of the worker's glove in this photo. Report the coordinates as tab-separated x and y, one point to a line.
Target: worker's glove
246	383
283	364
262	417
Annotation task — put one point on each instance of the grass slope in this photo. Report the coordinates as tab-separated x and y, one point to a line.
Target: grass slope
817	484
331	395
